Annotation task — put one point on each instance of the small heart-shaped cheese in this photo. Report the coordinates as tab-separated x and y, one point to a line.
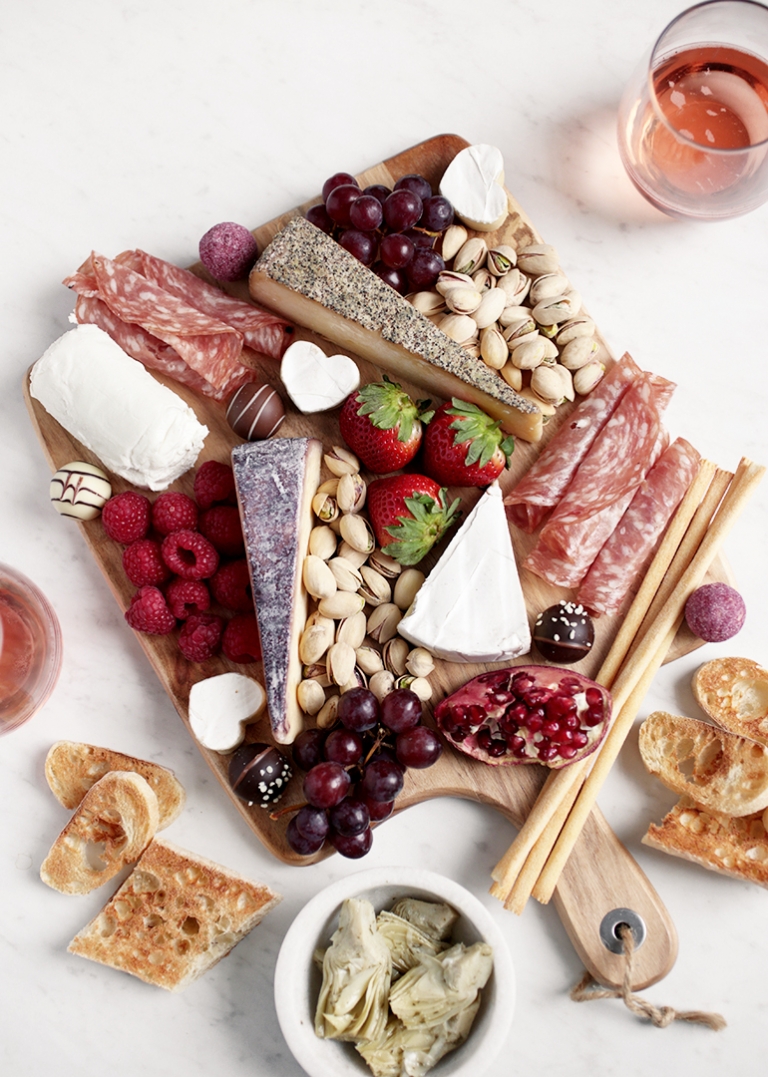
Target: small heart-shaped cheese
473	184
220	708
316	381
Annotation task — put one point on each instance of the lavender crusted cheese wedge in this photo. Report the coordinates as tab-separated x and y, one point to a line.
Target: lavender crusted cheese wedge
276	481
307	277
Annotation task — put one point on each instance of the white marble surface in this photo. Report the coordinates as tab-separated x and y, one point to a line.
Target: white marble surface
141	124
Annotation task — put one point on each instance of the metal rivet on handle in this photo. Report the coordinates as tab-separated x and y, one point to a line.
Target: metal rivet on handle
609	929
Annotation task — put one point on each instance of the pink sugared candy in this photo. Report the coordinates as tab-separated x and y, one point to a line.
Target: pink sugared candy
228	251
715	612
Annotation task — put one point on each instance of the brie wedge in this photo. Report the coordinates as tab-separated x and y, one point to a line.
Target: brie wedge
220	708
316	381
471	606
473	184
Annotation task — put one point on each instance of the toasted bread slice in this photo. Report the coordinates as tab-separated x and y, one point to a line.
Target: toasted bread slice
72	768
173	918
113	825
719	770
735	847
734	693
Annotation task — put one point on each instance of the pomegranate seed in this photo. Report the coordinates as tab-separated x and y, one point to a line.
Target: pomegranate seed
533	723
559	705
593	717
484	739
500	698
563	736
579	739
571	721
518	713
459	735
549	728
567	751
516	744
594	698
497	748
550	752
519	680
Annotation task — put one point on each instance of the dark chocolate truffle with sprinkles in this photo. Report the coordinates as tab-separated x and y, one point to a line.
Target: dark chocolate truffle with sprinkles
259	774
564	633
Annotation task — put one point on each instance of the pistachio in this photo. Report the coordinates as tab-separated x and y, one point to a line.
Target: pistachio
580	326
357	533
386	565
546	409
547	285
517	321
347	577
501	259
369	660
471	348
454	238
317	577
463	299
357	680
375	588
314	642
516	286
538	258
325	508
407	587
352	629
529	354
493	303
420	686
316	671
587	377
395	654
471	256
341	461
493	347
322	541
356	558
483	280
330	486
383	622
557	308
342	604
552	384
310	696
449	278
350	496
427	302
458	327
512	375
340	661
328	713
578	352
420	662
381	683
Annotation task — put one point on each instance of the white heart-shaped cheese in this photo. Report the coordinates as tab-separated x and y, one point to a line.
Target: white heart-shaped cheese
473	184
220	708
316	381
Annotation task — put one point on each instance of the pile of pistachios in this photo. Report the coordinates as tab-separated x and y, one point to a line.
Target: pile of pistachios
358	595
517	312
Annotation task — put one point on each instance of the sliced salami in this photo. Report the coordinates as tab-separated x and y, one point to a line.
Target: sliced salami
627	551
261	330
544	484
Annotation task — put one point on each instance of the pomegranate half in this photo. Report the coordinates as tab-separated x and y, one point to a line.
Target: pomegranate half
526	714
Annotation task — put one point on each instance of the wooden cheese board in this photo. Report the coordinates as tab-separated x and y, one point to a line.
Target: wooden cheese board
600	875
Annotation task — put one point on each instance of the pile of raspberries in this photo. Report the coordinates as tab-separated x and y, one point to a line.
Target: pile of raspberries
186	556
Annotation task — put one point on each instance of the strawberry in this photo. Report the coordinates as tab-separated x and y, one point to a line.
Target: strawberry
409	513
464	447
382	425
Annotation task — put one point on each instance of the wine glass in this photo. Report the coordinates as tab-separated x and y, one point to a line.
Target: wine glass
693	120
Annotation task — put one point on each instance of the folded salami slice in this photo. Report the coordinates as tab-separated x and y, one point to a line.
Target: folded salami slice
545	482
261	330
627	551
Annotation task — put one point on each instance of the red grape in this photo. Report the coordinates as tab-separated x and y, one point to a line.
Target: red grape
339	202
383	780
377	809
312	823
396	250
361	244
418	748
301	845
336	180
366	213
307	749
358	709
419	238
424	268
353	846
401	710
378	190
349	817
395	278
318	215
416	183
343	746
437	215
326	784
401	210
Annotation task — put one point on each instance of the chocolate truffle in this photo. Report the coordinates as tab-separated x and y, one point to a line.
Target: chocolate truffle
255	411
564	633
80	490
715	612
259	774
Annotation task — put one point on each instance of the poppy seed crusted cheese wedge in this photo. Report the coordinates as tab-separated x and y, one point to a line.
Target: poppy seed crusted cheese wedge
307	277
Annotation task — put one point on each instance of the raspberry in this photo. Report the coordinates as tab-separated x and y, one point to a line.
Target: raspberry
143	564
221	526
126	517
240	642
231	586
185	597
200	636
174	512
214	483
148	612
189	555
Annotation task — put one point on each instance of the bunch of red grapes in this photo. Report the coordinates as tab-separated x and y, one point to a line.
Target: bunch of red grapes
355	771
392	231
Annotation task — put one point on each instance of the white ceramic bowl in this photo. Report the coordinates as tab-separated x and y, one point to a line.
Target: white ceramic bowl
297	978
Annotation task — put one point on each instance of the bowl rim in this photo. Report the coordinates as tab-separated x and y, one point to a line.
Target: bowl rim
293	956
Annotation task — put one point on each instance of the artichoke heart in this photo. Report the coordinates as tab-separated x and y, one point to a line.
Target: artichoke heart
433	918
406	941
357	971
412	1052
440	987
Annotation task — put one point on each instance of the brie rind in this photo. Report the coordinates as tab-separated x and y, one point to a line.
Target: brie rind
471	606
316	381
473	184
220	707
